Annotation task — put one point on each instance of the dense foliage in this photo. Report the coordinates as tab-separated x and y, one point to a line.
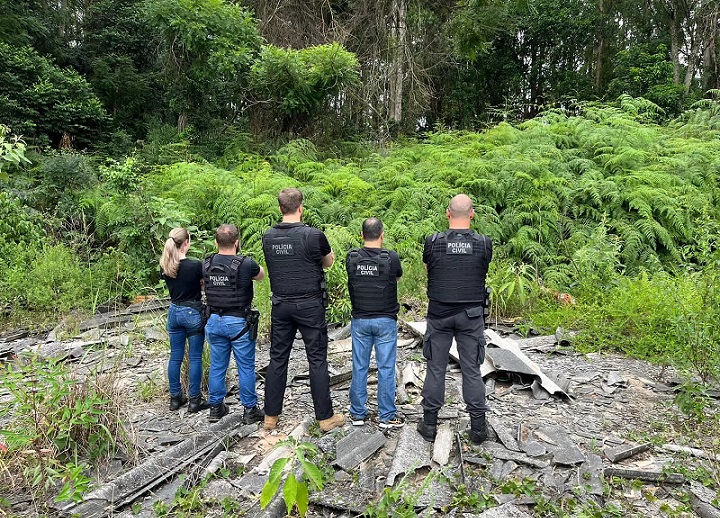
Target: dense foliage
601	204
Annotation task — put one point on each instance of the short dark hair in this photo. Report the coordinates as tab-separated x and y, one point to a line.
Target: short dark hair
372	228
290	200
226	235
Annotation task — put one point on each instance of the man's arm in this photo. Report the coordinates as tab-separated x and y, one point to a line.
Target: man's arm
328	260
260	276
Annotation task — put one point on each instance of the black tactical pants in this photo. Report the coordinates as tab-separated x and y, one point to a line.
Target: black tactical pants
286	319
470	339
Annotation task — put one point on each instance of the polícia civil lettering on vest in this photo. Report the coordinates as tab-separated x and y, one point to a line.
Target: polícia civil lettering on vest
459	247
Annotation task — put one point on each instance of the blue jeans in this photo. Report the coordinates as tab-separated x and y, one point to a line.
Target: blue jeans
366	332
183	321
218	332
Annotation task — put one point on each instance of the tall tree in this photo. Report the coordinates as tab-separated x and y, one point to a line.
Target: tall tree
208	47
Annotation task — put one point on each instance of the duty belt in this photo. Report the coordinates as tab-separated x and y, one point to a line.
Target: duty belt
240	313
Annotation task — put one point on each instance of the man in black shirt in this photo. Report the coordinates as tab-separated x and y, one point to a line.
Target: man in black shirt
229	290
296	255
457	262
372	281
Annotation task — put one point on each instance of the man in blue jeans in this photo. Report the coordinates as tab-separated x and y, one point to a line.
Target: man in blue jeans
229	290
372	281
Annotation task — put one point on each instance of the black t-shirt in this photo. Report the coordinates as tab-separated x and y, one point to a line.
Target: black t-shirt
437	309
395	273
186	286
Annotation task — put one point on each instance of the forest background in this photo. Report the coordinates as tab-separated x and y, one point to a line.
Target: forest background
587	132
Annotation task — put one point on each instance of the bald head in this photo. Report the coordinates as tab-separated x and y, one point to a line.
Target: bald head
460	207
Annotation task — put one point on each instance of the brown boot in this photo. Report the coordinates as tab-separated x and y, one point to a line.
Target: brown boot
270	422
332	422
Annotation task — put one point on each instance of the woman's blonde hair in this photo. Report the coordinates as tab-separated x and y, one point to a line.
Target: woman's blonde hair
170	260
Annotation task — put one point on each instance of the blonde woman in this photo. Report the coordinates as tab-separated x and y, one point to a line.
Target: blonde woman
183	277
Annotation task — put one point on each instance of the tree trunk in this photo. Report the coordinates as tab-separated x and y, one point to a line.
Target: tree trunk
182	122
675	43
601	46
398	31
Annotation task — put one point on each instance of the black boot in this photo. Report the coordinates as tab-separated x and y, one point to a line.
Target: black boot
253	415
428	426
197	403
177	401
478	428
217	412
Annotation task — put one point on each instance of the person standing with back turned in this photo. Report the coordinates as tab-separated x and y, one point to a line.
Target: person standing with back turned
229	291
183	277
295	255
372	281
457	262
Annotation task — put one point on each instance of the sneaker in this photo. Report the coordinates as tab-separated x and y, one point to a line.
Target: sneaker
395	422
253	415
177	401
217	412
357	421
331	423
270	422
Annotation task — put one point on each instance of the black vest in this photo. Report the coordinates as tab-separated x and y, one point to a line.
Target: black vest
221	287
292	271
457	267
370	283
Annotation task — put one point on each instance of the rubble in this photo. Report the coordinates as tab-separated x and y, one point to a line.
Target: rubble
552	412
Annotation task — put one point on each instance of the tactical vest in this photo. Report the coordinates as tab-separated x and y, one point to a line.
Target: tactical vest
457	267
292	271
370	282
221	287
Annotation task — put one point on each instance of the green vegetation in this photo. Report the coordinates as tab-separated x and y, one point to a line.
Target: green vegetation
609	206
59	422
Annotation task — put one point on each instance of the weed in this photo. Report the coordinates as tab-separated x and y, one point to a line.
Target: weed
150	388
56	419
295	490
471	501
399	501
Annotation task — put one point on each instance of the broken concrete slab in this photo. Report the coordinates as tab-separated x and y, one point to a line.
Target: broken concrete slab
505	511
158	468
503	433
354	448
563	448
695	452
534	448
443	444
437	494
412	452
647	475
590	475
283	451
625	452
703	501
497	451
349	500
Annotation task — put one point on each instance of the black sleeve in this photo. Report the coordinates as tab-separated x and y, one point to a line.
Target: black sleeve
324	244
199	269
254	267
395	265
489	248
426	249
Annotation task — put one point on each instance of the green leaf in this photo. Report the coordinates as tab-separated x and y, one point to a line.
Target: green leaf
290	491
273	484
301	499
313	473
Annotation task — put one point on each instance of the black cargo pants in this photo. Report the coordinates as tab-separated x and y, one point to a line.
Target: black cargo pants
470	339
286	318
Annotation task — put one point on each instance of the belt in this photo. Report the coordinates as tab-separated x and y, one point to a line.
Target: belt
195	304
240	313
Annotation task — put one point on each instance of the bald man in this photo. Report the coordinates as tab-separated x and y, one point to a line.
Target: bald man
457	262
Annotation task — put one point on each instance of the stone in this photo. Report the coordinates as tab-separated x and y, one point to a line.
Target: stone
156	334
562	447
